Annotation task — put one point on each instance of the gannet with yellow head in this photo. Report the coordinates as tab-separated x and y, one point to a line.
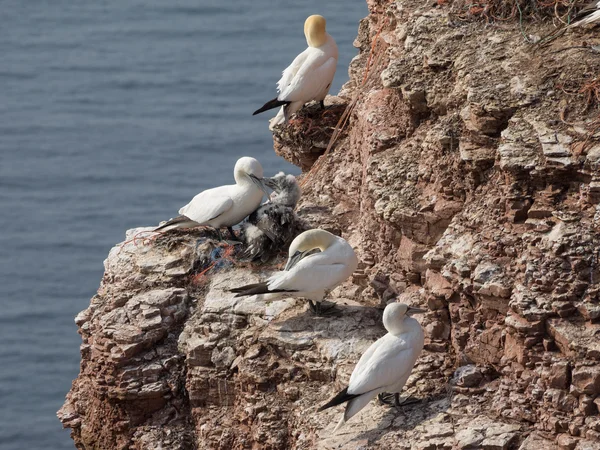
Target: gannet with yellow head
310	75
387	363
307	274
224	206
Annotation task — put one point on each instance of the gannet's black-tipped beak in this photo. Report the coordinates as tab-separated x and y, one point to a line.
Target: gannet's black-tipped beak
293	260
260	183
412	310
270	183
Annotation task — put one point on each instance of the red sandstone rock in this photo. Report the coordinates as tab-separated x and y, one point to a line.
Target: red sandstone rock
586	379
462	186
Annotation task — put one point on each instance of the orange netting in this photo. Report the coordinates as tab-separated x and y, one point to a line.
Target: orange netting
145	240
221	256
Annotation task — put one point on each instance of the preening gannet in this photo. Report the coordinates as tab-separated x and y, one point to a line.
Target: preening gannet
272	227
309	76
224	206
386	365
309	275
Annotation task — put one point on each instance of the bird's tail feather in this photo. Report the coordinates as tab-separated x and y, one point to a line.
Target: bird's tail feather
586	15
339	425
358	403
271	104
340	398
248	287
279	119
177	222
256	289
584	21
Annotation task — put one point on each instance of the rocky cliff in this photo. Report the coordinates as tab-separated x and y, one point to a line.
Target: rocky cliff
466	177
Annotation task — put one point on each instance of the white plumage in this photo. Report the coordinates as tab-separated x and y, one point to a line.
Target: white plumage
309	275
309	76
317	273
387	363
224	206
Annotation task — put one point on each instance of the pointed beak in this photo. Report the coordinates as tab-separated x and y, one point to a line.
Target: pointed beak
260	183
293	260
412	310
270	183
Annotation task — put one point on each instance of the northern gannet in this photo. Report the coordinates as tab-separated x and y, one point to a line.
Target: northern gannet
273	225
224	206
309	76
309	275
387	363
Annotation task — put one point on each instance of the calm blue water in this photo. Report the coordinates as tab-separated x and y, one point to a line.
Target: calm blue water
113	114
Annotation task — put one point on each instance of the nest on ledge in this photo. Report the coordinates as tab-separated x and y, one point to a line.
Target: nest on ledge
308	132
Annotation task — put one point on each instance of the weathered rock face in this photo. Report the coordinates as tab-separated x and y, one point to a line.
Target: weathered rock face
467	180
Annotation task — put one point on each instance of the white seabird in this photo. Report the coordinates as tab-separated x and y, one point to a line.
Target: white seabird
309	275
309	76
273	226
224	206
387	363
589	14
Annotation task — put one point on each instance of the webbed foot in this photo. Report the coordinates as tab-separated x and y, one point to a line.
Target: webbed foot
320	309
394	400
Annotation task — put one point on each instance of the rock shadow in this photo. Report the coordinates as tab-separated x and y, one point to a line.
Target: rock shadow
403	420
341	320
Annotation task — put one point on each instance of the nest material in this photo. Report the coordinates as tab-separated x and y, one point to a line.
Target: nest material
506	10
305	138
182	236
591	90
212	256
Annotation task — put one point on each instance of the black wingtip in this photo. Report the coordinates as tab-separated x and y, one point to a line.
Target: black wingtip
239	289
250	289
256	289
270	105
341	397
175	221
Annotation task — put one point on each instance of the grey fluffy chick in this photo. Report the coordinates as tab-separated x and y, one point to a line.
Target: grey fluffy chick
272	227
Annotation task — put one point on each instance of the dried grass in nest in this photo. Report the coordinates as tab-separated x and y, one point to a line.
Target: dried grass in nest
141	238
591	90
586	89
506	10
173	238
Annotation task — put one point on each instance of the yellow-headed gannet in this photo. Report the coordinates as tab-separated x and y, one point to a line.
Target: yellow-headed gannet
272	227
224	206
387	363
309	275
309	76
589	14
